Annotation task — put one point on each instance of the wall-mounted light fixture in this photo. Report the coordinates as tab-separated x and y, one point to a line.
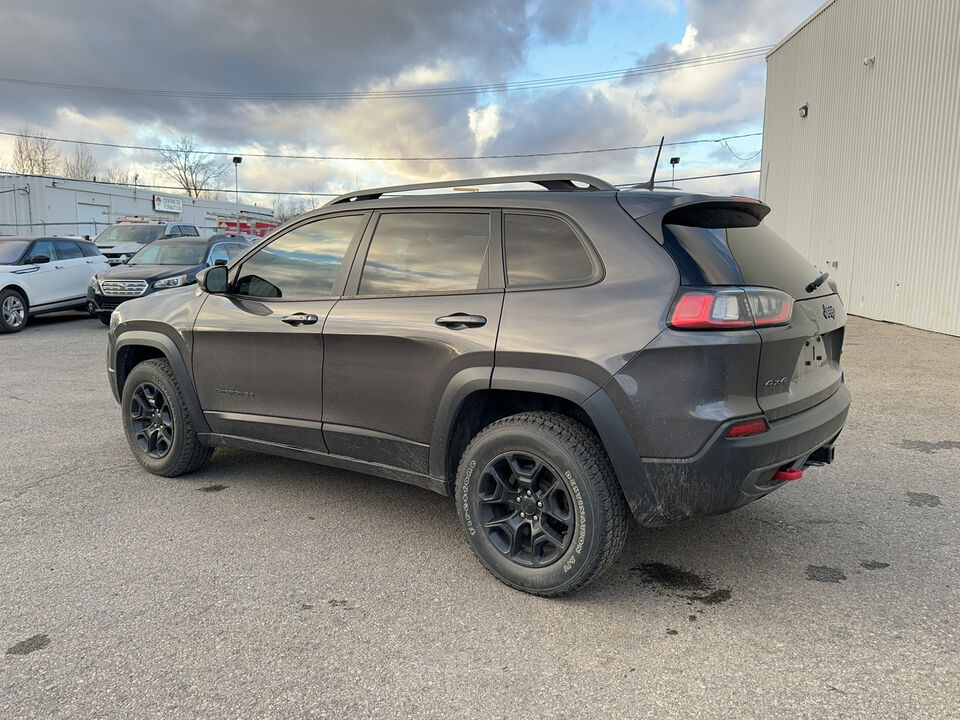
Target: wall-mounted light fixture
804	110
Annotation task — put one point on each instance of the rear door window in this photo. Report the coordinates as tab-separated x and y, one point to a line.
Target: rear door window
543	250
67	250
301	263
427	253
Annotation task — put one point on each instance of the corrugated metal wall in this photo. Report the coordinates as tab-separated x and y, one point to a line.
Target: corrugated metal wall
867	186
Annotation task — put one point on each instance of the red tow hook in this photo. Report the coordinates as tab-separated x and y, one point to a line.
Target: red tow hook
789	474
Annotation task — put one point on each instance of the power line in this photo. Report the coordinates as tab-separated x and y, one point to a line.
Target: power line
440	91
283	156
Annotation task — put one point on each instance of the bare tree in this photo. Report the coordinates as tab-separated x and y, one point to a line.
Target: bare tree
191	168
34	153
80	164
118	174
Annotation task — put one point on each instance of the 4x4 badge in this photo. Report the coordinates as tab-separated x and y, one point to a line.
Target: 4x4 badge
828	312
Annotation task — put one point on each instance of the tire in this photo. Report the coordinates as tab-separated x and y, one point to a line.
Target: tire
557	470
13	311
105	319
156	423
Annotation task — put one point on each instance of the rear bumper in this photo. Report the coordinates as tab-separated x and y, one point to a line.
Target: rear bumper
729	473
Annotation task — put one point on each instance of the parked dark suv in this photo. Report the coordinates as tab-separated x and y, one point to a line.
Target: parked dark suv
554	359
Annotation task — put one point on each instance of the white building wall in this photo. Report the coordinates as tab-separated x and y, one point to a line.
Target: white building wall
42	205
867	186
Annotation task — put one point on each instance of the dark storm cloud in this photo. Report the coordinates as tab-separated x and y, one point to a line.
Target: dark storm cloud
222	45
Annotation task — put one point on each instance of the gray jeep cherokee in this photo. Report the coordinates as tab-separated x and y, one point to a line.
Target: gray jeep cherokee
554	359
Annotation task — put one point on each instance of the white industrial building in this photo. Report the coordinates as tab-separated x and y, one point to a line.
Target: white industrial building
45	205
861	154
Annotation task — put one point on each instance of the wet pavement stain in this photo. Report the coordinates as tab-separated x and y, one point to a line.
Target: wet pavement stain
918	499
821	573
929	448
25	647
671	631
213	488
670	577
692	618
873	564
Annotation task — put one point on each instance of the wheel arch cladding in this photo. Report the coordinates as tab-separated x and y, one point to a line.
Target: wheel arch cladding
135	346
511	391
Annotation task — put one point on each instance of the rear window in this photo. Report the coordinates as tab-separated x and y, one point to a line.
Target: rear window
543	250
767	259
724	246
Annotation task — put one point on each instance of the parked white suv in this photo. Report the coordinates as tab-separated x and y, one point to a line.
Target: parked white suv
122	241
44	274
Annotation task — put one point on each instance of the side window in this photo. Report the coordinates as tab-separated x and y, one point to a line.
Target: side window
189	230
89	249
543	250
302	263
67	250
218	252
43	247
235	249
426	253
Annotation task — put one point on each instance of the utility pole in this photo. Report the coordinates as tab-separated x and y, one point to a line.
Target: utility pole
236	186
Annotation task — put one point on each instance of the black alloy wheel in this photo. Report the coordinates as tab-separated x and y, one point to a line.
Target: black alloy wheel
151	420
526	509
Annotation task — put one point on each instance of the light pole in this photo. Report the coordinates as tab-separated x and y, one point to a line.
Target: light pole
674	161
236	186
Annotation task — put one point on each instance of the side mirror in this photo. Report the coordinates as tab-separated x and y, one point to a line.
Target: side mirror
213	280
40	259
219	261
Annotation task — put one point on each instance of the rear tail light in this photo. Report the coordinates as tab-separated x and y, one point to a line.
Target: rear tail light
730	308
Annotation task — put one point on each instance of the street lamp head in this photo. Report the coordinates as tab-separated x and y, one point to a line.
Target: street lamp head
237	159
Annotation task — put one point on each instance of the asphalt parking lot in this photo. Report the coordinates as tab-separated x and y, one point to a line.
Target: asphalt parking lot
269	588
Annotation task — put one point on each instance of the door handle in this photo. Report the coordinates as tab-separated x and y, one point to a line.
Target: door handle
298	319
460	321
58	267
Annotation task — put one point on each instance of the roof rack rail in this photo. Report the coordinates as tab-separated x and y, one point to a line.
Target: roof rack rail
557	182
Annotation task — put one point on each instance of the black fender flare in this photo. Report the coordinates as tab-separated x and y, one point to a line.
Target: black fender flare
171	352
588	395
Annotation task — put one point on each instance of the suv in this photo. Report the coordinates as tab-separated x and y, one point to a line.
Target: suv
165	263
554	360
43	275
119	242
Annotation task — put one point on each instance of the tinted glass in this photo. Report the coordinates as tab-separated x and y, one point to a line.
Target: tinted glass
184	252
302	263
235	249
426	253
67	250
11	250
142	234
767	259
88	249
187	230
43	247
543	251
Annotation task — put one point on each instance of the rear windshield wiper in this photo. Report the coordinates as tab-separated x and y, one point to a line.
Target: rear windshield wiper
817	283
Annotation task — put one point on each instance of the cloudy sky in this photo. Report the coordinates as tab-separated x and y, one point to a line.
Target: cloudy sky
365	48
